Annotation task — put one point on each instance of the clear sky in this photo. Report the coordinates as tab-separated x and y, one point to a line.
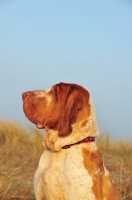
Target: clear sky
86	42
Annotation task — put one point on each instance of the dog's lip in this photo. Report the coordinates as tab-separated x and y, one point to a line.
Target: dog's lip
40	126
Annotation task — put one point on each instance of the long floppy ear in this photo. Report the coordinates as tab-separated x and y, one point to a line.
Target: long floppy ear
73	105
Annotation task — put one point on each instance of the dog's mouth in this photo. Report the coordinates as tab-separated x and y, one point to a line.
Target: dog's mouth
40	126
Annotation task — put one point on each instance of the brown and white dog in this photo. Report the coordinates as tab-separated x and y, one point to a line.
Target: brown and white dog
71	167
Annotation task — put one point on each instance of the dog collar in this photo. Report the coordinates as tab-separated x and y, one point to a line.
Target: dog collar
86	140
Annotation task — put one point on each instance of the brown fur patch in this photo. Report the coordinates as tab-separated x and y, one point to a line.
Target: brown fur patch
84	123
94	165
103	185
74	100
109	190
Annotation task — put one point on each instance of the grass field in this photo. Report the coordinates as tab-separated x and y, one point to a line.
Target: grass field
20	149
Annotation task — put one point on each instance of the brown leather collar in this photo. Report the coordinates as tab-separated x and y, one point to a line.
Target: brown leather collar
86	140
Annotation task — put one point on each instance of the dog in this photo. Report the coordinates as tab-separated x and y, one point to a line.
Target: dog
71	167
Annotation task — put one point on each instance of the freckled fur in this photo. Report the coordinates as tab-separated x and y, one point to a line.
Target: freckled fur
67	113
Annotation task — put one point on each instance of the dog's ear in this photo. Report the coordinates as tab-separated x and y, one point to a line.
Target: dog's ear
69	115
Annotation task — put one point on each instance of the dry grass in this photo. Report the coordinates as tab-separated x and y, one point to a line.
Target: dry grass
20	149
117	155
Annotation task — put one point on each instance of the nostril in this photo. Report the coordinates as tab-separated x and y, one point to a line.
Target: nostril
25	94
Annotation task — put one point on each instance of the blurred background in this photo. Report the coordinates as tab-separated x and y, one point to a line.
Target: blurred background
85	42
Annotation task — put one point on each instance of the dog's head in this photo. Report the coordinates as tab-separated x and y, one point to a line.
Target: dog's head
65	111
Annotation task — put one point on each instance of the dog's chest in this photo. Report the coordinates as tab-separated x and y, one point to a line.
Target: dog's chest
66	177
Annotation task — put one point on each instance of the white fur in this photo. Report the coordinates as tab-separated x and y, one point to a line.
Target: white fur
63	175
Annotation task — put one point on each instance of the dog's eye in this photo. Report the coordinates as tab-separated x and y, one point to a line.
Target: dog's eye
55	92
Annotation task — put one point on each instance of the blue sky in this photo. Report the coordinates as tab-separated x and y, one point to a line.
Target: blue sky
84	42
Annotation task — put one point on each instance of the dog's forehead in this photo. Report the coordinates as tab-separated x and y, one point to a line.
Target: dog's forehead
67	85
62	85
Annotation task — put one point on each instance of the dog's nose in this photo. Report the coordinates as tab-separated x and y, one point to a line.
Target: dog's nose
26	94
